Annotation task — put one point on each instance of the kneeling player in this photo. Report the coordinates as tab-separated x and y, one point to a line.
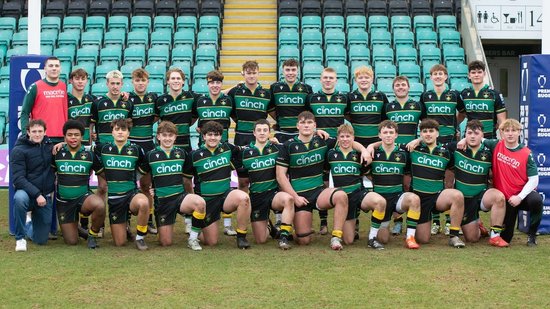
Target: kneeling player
347	172
74	164
212	166
120	160
167	165
259	160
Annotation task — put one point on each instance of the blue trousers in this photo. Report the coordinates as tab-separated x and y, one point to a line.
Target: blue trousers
41	218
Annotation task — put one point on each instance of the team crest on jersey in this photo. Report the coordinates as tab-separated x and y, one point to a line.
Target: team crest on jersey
83	156
177	155
398	157
123	105
250	152
354	157
318	98
486	94
114	217
335	155
165	100
448	97
315	144
338	99
62	217
281	87
429	96
393	106
296	147
412	106
300	89
204	101
269	150
63	154
157	155
132	99
162	219
223	102
148	100
129	151
201	154
105	104
483	156
262	94
374	97
110	148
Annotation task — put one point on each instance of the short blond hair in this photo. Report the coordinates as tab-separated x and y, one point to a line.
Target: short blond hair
345	128
510	123
114	74
363	70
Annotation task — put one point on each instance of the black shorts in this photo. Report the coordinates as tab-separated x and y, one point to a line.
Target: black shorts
311	197
354	202
471	208
391	204
261	204
214	207
167	209
243	139
68	210
427	205
283	137
147	145
119	207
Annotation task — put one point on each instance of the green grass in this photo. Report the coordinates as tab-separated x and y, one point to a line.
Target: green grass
478	276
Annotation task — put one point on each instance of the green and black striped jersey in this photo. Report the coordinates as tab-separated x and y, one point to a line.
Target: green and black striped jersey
366	114
73	172
120	166
104	111
483	106
305	163
387	169
346	169
260	166
407	117
143	116
212	169
220	111
329	110
81	111
288	102
167	171
179	111
443	109
249	107
428	168
472	170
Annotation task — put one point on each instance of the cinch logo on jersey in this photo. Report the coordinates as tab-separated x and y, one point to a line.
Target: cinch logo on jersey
342	169
246	103
72	168
286	99
118	163
142	111
168	169
328	111
211	164
431	162
382	169
268	162
438	109
112	116
507	160
305	160
403	118
214	114
85	110
471	167
364	108
476	106
173	108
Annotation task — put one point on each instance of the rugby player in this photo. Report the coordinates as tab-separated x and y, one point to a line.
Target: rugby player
212	166
120	160
73	165
167	165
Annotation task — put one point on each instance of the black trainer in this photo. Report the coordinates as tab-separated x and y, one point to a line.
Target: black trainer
284	244
531	240
373	243
274	231
82	233
92	243
151	228
242	243
129	235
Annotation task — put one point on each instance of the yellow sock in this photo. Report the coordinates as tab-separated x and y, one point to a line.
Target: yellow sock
199	215
92	233
337	233
378	215
239	231
413	214
287	228
142	228
224	215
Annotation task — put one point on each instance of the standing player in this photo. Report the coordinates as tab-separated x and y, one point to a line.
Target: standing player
143	118
347	171
515	174
120	160
80	103
212	166
167	165
288	99
259	160
472	167
481	102
389	164
74	164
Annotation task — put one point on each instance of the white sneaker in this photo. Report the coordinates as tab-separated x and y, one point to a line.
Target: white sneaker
336	243
435	229
229	231
194	245
188	228
21	245
447	229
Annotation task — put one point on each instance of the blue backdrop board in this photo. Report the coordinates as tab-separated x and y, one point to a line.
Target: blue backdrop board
535	117
24	70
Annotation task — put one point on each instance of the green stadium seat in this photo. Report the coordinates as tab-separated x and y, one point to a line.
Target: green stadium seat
134	54
453	53
118	23
403	37
359	53
289	22
49	37
15	51
426	67
115	38
426	37
423	22
312	37
386	86
411	70
99	88
156	71
186	22
400	22
385	70
89	67
416	90
19	38
141	22
5	106
50	23
199	86
46	49
102	70
65	53
457	70
158	53
65	70
341	68
356	22
23	23
311	22
449	37
87	54
382	53
445	22
5	73
91	38
404	53
460	85
127	84
333	22
429	53
312	54
138	38
69	38
335	53
95	23
315	84
110	55
183	53
185	67
380	37
335	37
162	37
428	84
207	53
4	90
342	86
207	37
3	50
8	23
312	70
209	22
378	22
73	23
289	37
156	86
164	23
184	37
200	70
127	69
357	37
287	52
355	64
5	38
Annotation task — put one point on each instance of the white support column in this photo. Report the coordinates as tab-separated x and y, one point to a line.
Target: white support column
33	40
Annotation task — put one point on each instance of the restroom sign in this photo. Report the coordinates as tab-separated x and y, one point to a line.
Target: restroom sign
501	19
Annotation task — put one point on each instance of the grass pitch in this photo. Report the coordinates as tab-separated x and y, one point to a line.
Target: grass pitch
478	276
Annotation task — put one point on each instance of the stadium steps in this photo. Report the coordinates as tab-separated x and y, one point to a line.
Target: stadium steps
249	33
